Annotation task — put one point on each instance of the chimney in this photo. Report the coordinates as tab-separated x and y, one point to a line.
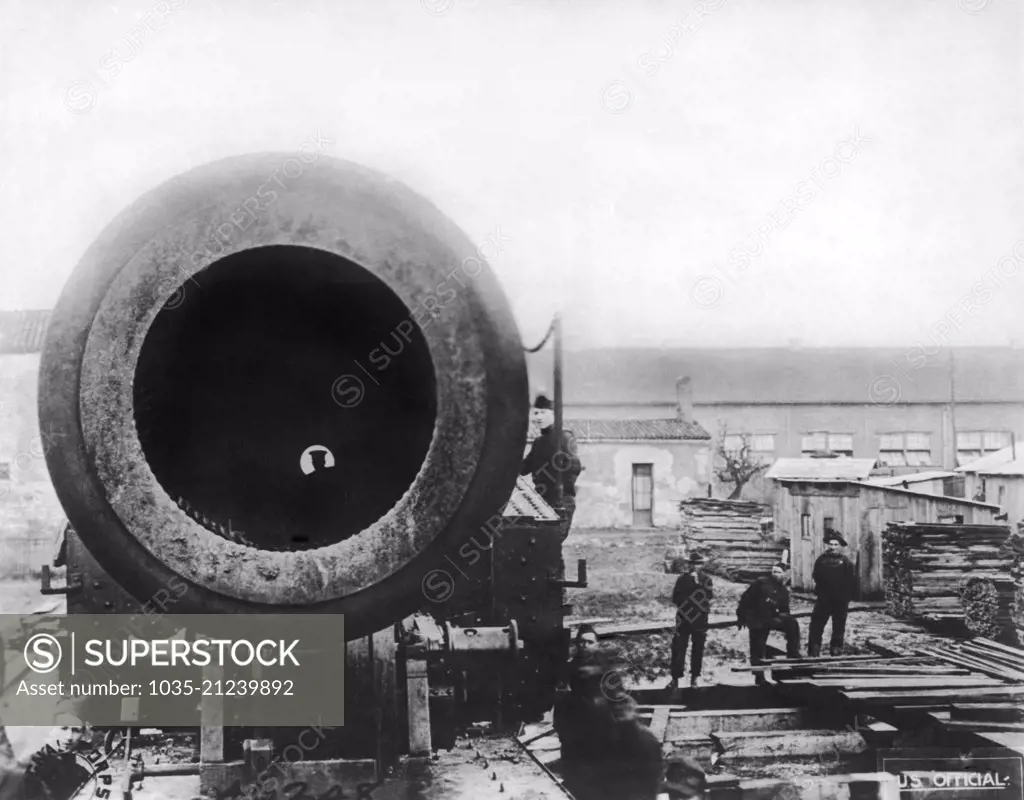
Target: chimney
684	399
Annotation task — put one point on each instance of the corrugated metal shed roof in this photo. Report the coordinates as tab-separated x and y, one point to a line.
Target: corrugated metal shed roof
779	375
911	478
596	430
527	503
962	501
821	469
22	331
1001	462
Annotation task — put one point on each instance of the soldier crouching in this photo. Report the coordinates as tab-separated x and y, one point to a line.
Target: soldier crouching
763	608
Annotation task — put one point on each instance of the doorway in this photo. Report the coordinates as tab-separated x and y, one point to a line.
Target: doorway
643	495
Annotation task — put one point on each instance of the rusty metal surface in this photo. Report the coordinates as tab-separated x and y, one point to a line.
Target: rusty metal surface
113	499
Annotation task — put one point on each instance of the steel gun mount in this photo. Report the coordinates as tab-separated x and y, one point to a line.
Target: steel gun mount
227	331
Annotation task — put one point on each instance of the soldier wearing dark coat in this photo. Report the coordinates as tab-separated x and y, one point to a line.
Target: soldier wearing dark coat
835	585
551	462
763	608
607	753
692	599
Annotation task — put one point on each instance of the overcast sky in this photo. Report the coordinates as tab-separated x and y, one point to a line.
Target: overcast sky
623	149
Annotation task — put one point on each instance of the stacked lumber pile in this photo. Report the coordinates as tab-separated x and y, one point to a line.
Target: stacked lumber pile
942	572
1014	549
728	534
976	671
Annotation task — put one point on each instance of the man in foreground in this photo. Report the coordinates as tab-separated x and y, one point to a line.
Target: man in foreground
684	779
763	608
607	753
835	585
692	598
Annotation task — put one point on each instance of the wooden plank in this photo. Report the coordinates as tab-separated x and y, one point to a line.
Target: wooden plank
991	712
857	786
702	723
813	663
975	664
993	656
659	724
929	696
534	737
860	684
786	744
981	725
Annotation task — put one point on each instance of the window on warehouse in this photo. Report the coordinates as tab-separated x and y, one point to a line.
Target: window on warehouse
972	445
760	445
5	470
905	449
839	443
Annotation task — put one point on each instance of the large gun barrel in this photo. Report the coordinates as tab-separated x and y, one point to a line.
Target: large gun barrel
292	393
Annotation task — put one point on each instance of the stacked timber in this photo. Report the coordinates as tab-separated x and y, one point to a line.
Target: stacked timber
728	533
943	572
1014	548
977	671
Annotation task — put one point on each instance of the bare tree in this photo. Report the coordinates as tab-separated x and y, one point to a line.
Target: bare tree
740	464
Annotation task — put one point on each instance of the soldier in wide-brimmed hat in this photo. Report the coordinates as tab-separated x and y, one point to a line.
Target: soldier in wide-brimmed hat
692	598
835	584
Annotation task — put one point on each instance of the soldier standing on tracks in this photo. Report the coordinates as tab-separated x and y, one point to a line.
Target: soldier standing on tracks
692	599
835	585
764	607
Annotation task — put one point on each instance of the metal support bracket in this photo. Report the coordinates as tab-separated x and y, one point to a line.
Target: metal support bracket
46	583
581	577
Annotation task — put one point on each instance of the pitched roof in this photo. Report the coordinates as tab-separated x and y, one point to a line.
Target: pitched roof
779	375
910	478
960	501
596	430
821	469
22	331
1001	462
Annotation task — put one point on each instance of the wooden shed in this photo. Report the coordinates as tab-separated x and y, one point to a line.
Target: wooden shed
859	511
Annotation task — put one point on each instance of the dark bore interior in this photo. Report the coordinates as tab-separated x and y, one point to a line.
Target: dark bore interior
237	378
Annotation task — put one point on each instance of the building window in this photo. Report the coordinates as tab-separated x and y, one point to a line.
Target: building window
905	449
827	525
838	443
5	470
954	487
805	526
971	445
1002	495
760	445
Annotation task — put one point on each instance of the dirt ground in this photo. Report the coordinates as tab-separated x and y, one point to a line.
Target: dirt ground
23	597
628	583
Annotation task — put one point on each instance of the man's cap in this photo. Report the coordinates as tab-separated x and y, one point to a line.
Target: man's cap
780	565
684	777
542	402
834	536
696	558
